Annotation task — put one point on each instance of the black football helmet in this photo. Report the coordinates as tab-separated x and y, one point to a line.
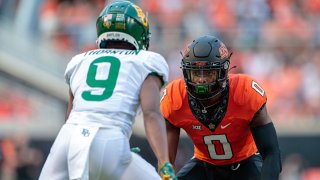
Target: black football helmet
206	56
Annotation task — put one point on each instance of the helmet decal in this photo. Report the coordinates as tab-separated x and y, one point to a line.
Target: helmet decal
106	19
200	63
120	17
141	15
223	51
120	26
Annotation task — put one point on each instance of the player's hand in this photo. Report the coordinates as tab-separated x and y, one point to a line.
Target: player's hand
167	171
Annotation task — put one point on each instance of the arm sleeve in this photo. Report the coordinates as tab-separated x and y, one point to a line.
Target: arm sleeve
267	143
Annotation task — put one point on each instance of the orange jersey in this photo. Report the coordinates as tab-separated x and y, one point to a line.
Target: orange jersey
232	140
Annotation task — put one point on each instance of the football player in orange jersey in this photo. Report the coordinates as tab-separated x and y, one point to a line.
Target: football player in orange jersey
225	116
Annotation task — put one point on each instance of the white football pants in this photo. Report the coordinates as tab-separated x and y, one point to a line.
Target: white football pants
106	156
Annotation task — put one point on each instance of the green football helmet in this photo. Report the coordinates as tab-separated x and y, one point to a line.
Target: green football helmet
123	21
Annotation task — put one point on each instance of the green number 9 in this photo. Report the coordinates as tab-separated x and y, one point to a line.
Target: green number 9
107	84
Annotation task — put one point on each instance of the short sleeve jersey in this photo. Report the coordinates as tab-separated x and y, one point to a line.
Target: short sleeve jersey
106	83
232	140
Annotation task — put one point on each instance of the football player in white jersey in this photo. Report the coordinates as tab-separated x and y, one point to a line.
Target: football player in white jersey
107	85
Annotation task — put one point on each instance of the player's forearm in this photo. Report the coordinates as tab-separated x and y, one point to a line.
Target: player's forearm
267	143
156	135
271	167
70	105
172	152
173	134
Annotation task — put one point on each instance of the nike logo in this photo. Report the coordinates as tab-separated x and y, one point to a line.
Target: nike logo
225	126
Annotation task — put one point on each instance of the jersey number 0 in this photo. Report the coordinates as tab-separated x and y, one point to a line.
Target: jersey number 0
108	67
223	141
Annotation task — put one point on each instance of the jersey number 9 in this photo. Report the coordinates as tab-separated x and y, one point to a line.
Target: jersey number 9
102	76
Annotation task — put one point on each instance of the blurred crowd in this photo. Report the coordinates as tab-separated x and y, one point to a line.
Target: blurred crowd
19	160
276	41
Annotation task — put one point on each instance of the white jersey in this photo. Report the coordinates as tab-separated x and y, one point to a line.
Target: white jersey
106	84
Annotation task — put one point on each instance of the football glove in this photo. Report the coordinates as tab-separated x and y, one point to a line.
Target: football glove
167	172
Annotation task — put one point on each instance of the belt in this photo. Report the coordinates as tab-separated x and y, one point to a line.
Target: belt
234	166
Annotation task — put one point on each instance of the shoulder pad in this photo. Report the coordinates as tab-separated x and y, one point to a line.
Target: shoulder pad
172	97
247	91
72	66
155	63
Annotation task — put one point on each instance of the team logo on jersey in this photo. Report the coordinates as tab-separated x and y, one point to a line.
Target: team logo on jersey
85	132
212	126
196	127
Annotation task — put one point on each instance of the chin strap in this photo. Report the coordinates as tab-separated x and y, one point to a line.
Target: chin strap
233	67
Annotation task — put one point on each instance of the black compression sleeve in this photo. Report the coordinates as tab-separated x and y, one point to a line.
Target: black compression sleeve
266	140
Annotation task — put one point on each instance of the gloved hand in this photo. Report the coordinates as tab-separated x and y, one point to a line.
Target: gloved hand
167	171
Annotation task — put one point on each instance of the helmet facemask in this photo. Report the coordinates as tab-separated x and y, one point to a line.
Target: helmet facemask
205	81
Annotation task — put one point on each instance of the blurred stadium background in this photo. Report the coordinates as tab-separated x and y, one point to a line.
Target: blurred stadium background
276	41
